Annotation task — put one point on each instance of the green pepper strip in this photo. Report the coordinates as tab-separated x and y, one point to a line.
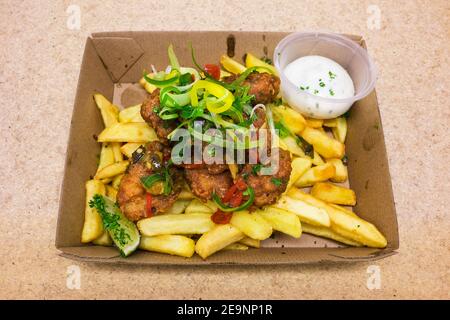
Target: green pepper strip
243	206
163	83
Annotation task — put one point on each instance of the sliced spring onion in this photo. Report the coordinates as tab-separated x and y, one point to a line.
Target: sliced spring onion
149	181
166	82
173	58
251	197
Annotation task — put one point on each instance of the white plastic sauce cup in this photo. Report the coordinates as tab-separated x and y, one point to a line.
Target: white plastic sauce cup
348	53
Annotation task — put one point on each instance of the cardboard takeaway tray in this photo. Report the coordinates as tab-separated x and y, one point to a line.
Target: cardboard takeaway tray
113	61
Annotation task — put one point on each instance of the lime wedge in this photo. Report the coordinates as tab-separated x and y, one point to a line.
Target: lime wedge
123	232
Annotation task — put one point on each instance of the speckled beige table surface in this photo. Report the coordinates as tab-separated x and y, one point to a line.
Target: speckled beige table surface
40	58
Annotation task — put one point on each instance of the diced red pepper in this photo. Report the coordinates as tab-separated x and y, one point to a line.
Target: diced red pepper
236	200
213	70
148	205
220	217
229	194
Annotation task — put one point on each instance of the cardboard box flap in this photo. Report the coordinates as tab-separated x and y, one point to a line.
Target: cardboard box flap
117	54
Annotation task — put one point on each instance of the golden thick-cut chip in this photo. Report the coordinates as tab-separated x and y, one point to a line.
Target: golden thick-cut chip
323	144
186	194
224	74
292	119
344	210
116	181
251	224
147	86
305	211
118	156
234	169
110	112
252	61
328	233
178	207
330	123
195	223
341	174
217	238
299	167
231	65
106	156
131	114
317	159
103	240
111	192
251	242
331	193
316	174
198	206
128	148
282	220
347	225
236	246
112	170
93	224
128	132
340	130
171	244
314	123
289	144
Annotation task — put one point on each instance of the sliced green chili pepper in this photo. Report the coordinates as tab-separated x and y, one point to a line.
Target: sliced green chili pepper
251	197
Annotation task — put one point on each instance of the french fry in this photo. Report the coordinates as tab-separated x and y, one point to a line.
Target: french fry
236	246
93	224
112	170
288	143
217	238
118	156
131	114
128	148
338	127
195	223
252	225
128	132
252	61
231	65
341	174
103	240
344	210
331	193
299	167
171	244
323	144
233	170
186	194
178	207
328	233
306	212
347	225
250	242
106	156
198	206
317	159
292	120
224	74
282	220
111	192
314	123
110	112
316	174
147	86
116	181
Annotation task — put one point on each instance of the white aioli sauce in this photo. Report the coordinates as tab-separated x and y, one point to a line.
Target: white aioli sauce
322	77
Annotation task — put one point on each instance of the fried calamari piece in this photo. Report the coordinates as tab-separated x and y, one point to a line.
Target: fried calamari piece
161	127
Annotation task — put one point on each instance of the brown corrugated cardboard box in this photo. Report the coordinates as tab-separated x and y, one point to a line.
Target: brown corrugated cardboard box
113	61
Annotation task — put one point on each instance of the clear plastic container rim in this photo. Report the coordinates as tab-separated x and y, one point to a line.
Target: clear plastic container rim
367	87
